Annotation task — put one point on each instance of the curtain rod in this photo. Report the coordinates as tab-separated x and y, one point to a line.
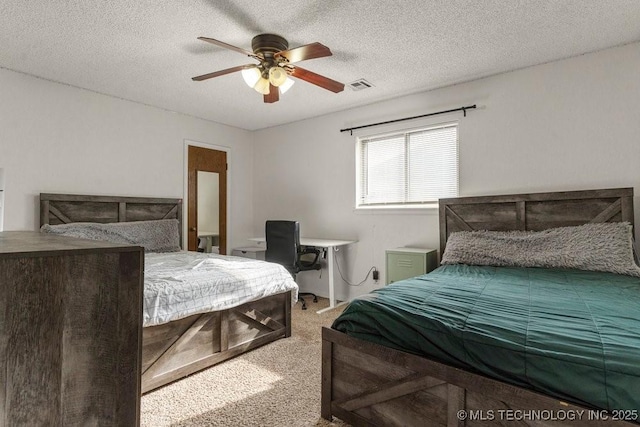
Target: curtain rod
463	109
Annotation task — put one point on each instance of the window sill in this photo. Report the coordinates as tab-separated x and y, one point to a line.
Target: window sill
430	209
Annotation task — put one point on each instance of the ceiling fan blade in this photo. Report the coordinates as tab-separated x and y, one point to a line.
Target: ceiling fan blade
302	53
317	79
228	46
273	95
222	72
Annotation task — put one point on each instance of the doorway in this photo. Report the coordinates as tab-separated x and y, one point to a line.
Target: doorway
207	199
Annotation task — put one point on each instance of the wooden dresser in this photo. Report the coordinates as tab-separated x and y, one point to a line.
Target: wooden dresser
70	331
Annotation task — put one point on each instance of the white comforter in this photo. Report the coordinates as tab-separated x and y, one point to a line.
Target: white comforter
179	284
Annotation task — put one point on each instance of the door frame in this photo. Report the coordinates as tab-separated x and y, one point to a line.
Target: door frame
185	191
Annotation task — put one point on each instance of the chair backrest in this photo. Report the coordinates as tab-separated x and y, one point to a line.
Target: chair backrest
283	242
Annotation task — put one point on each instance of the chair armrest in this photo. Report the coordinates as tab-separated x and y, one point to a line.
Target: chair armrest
309	250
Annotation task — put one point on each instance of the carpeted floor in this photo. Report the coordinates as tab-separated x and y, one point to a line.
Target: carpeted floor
275	385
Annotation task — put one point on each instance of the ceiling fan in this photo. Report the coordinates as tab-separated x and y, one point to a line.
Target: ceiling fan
270	76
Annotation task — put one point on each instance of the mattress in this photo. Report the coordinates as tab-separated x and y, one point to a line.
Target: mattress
571	334
180	284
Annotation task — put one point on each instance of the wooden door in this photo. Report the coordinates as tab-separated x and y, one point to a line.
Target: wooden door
207	160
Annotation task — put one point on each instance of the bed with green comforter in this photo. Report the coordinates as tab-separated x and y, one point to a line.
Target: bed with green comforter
571	334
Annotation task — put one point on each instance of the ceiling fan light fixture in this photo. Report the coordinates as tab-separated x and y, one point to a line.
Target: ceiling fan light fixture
251	76
274	65
286	85
262	86
277	75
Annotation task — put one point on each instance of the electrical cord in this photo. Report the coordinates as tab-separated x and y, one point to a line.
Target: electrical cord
335	259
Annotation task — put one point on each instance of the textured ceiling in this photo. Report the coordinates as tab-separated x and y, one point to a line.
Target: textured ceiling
146	51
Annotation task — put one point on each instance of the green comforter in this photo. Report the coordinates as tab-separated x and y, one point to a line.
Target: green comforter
571	334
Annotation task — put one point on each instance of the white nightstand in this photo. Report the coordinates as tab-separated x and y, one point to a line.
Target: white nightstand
253	252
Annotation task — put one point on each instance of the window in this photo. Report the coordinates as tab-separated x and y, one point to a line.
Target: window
407	169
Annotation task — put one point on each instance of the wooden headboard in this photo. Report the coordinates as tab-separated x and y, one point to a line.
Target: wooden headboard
67	208
534	211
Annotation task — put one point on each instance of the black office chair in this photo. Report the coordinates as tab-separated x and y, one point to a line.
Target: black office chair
283	247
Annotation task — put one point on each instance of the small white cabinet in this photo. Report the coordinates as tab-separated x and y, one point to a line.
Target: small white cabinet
253	252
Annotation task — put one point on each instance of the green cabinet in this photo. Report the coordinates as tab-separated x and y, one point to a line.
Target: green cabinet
403	263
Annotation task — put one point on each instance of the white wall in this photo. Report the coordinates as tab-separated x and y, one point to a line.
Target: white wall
56	138
1	199
567	125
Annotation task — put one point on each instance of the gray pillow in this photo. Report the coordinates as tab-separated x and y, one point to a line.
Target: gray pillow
155	236
595	247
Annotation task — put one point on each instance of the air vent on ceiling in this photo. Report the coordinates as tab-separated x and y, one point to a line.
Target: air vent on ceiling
360	84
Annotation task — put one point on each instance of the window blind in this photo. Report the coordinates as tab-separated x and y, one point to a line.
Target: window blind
408	168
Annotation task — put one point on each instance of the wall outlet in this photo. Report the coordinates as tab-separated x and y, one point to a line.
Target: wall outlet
376	275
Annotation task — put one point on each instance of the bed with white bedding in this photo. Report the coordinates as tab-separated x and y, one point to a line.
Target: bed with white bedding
199	309
179	284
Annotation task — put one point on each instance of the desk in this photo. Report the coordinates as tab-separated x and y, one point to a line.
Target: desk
329	245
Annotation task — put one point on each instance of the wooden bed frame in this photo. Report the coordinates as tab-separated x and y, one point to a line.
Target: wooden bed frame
368	384
176	349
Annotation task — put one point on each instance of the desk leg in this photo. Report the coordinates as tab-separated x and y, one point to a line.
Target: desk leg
332	296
